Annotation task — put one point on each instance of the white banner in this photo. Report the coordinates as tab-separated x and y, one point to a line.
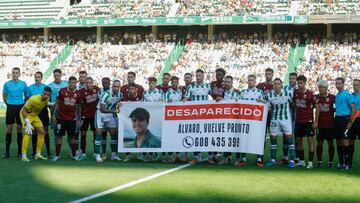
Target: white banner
226	126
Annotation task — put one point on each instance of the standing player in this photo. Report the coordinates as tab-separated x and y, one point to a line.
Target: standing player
131	96
253	94
165	83
67	103
14	92
230	93
82	80
355	128
131	76
304	100
345	109
174	94
37	89
290	88
188	79
89	101
109	108
199	91
280	100
154	95
31	121
324	119
218	86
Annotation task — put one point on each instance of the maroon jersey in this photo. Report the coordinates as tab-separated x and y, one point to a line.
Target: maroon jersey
125	90
217	89
327	110
305	102
265	87
126	98
163	88
89	100
67	102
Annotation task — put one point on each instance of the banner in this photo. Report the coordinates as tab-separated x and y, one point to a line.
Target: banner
226	126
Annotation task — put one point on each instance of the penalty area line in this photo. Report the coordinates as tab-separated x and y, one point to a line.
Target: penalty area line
130	184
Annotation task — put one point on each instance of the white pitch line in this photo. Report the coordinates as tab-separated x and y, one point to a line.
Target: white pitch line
124	186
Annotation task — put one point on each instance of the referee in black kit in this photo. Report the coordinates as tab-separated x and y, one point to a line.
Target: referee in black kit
345	109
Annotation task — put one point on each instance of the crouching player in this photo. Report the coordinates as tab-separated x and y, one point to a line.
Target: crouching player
31	121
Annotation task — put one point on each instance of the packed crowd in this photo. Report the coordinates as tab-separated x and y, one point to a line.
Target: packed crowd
107	60
329	7
329	59
121	8
241	54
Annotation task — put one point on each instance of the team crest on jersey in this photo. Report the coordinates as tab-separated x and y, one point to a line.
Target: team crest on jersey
305	96
327	99
74	95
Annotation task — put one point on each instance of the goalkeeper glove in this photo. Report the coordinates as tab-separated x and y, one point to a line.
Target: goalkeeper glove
28	128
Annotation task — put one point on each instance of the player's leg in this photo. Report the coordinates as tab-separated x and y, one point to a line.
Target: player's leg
275	129
99	124
40	142
33	143
311	144
287	129
339	146
299	134
71	132
285	151
59	133
197	157
24	147
319	146
104	143
331	152
354	132
44	118
84	127
47	141
227	158
18	128
9	121
113	126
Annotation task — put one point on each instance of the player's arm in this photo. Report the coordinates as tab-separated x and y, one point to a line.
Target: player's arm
187	94
56	106
5	92
317	115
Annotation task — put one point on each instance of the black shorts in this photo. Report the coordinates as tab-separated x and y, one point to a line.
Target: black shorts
340	126
63	126
325	134
44	117
304	130
355	129
85	122
13	114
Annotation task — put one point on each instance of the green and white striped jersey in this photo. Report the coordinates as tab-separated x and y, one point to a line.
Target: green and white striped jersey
231	94
174	95
290	89
155	95
100	95
251	94
198	92
280	105
110	100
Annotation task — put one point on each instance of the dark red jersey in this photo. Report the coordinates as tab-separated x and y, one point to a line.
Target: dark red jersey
126	98
163	88
327	110
125	90
67	102
305	103
265	87
89	101
217	89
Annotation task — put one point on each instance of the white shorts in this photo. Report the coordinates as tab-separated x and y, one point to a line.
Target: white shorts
280	127
105	121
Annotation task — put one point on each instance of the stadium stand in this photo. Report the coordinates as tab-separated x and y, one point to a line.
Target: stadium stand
329	7
328	59
29	9
240	54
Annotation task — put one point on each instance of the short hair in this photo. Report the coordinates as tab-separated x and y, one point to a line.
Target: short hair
132	73
152	79
132	84
323	83
116	80
72	78
57	71
47	89
293	74
251	76
174	78
105	78
16	68
356	80
229	77
269	70
39	72
220	70
166	74
82	72
341	79
89	78
188	74
278	79
140	114
199	71
301	78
